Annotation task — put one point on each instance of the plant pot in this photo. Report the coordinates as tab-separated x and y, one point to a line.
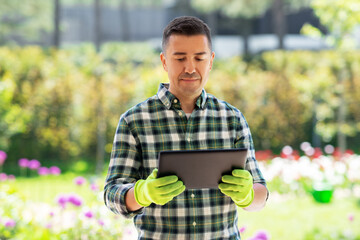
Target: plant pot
322	192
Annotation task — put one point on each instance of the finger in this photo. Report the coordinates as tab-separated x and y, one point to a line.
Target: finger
230	187
163	201
241	174
176	192
233	180
230	193
165	180
153	174
170	188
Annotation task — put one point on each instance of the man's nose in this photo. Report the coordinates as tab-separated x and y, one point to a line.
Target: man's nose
190	67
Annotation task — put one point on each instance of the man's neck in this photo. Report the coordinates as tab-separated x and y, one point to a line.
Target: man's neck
187	104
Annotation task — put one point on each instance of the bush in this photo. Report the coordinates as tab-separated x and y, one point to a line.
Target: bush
52	101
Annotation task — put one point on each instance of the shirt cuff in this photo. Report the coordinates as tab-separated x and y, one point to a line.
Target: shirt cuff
123	210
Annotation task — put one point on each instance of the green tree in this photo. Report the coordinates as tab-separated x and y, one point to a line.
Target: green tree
340	18
247	10
239	9
22	20
13	117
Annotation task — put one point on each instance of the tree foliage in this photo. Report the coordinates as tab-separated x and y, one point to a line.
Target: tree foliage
24	19
340	18
49	98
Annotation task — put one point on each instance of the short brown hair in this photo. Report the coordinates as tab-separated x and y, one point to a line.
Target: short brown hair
186	25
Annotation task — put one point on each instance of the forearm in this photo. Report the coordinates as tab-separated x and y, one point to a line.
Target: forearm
130	201
260	195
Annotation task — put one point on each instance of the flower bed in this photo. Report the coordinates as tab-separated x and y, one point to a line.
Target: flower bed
75	215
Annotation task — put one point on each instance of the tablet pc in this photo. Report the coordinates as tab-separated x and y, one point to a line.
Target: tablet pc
201	168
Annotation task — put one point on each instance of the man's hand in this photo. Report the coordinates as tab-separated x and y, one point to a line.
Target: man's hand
238	186
157	190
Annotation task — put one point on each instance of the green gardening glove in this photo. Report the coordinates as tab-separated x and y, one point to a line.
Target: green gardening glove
238	186
157	190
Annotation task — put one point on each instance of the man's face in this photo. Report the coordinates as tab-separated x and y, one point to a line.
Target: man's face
187	60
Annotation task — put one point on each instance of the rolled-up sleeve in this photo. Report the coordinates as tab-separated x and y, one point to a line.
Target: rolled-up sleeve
244	140
123	171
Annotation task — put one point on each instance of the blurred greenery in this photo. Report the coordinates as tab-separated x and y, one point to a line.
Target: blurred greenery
294	214
18	21
49	98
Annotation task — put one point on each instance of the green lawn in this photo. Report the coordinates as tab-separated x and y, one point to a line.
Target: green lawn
47	188
294	217
284	217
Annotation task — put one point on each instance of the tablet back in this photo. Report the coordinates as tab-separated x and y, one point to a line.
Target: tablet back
201	168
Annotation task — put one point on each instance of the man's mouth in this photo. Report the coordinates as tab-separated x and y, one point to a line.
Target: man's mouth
189	79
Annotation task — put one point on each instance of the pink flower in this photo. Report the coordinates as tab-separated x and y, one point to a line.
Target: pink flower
79	181
34	164
101	222
89	214
11	177
55	170
23	162
94	187
242	229
75	200
261	235
3	157
351	217
3	177
43	171
62	200
9	223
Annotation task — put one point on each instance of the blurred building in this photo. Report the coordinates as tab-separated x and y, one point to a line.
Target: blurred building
147	23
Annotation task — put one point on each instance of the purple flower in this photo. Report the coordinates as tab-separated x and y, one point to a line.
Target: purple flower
79	181
11	177
34	164
23	162
3	177
261	235
55	170
351	217
9	223
43	171
75	200
94	187
3	157
242	229
101	222
89	214
62	200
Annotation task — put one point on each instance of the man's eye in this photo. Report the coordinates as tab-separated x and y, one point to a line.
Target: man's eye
181	59
199	59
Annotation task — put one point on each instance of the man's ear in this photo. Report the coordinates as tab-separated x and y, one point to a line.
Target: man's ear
212	59
163	61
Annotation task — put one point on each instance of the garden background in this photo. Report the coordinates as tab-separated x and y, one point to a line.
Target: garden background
59	108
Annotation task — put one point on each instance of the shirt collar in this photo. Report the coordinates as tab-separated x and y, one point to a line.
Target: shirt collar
167	98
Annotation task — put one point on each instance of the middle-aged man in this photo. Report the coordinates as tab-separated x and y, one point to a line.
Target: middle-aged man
182	116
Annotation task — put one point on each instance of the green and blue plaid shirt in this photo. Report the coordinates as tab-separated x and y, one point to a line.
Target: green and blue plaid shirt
159	124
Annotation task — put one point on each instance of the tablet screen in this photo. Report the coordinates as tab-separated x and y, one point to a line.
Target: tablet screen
201	168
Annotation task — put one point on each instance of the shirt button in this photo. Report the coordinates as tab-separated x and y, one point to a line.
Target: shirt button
180	113
192	195
175	101
188	139
194	224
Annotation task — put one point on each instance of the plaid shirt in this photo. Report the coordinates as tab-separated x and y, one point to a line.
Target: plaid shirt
159	124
